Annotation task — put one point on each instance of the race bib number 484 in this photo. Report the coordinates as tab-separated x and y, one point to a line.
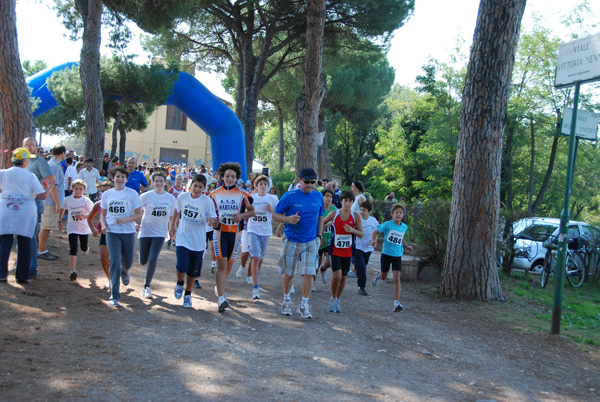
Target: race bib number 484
395	237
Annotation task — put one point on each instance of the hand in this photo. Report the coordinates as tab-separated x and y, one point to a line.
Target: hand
270	208
294	219
60	226
374	243
103	230
46	184
236	218
348	228
137	227
57	209
120	221
172	235
279	233
409	248
95	233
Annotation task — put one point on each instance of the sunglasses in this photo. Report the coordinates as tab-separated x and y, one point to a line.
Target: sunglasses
309	181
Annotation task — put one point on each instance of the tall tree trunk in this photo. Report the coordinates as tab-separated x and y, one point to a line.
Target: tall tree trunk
531	163
113	146
89	70
324	164
122	145
470	265
16	118
507	173
313	91
281	139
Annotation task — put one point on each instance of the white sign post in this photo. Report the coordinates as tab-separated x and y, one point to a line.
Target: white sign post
578	61
586	127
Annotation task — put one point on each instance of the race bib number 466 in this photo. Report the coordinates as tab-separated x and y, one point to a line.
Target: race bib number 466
395	237
117	207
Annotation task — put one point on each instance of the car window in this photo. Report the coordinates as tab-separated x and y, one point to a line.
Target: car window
574	231
537	232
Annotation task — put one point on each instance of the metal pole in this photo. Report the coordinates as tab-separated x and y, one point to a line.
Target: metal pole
563	237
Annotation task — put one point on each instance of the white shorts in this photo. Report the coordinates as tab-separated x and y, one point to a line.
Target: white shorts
244	241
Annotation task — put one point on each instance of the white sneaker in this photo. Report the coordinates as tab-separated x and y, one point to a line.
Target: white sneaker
314	289
287	307
304	311
255	294
238	273
107	286
324	277
147	293
249	280
292	290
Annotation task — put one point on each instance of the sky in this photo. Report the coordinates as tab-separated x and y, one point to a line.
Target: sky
434	29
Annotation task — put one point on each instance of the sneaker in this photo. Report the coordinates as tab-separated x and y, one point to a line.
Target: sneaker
338	306
362	292
375	280
113	303
86	252
292	290
324	277
73	276
46	256
287	307
255	294
147	293
125	277
304	311
107	286
169	243
238	273
178	291
187	301
223	304
398	306
52	255
249	280
197	284
213	270
352	274
331	306
314	289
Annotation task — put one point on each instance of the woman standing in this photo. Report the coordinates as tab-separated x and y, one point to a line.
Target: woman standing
121	207
358	188
18	212
158	208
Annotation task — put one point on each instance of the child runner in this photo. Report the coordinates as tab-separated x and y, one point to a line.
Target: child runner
363	249
345	226
260	229
393	248
323	254
193	211
121	207
158	208
175	190
104	185
79	208
233	205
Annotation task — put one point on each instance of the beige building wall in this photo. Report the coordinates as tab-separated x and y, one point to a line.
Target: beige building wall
191	145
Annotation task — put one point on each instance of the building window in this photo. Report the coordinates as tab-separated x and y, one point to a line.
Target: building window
176	120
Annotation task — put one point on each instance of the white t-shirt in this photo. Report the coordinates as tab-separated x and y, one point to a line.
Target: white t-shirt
260	224
120	204
90	178
18	212
158	209
369	226
72	173
355	204
76	207
191	232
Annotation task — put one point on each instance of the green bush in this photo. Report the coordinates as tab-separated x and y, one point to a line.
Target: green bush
281	181
431	227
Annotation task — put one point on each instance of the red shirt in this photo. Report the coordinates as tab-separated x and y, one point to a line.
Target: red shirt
342	240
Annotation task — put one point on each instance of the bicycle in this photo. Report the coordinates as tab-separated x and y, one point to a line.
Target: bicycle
575	270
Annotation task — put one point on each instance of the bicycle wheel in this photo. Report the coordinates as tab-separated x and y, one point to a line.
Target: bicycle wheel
575	271
547	268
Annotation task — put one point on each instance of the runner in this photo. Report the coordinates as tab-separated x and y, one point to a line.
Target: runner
158	208
193	211
78	208
346	225
233	205
103	186
363	249
302	212
260	230
324	262
121	207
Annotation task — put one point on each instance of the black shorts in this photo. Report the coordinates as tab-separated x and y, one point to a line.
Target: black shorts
387	260
209	236
323	251
342	263
77	238
102	239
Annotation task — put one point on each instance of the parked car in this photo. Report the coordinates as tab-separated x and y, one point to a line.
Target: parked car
531	233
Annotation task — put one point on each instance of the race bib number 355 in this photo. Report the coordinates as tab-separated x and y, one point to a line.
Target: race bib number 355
395	237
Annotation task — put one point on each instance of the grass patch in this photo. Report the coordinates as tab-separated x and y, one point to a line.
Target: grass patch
580	318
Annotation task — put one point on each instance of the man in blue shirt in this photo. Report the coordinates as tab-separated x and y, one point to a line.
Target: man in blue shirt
137	181
302	212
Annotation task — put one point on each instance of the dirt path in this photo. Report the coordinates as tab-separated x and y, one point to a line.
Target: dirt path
61	341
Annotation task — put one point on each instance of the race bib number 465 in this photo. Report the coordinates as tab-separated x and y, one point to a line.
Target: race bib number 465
395	237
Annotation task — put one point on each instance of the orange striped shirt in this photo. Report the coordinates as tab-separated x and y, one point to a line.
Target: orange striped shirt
229	202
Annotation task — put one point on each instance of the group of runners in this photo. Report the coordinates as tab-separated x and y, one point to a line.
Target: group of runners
315	234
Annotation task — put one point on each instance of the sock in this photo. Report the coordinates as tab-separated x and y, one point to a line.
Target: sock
146	285
287	297
188	292
213	264
180	283
255	287
304	300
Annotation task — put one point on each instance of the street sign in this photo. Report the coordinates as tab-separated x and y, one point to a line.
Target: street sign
578	61
586	127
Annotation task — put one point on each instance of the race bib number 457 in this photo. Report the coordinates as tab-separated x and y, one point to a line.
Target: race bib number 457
395	237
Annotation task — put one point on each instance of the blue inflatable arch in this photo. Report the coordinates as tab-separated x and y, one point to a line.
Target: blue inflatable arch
208	112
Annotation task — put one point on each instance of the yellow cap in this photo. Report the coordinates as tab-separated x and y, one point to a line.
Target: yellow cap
22	153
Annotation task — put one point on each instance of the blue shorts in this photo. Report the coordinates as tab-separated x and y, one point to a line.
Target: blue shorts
257	245
226	245
189	262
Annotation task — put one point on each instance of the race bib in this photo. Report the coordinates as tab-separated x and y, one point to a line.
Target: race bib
226	218
190	214
117	207
260	216
343	241
395	237
159	210
75	215
328	229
